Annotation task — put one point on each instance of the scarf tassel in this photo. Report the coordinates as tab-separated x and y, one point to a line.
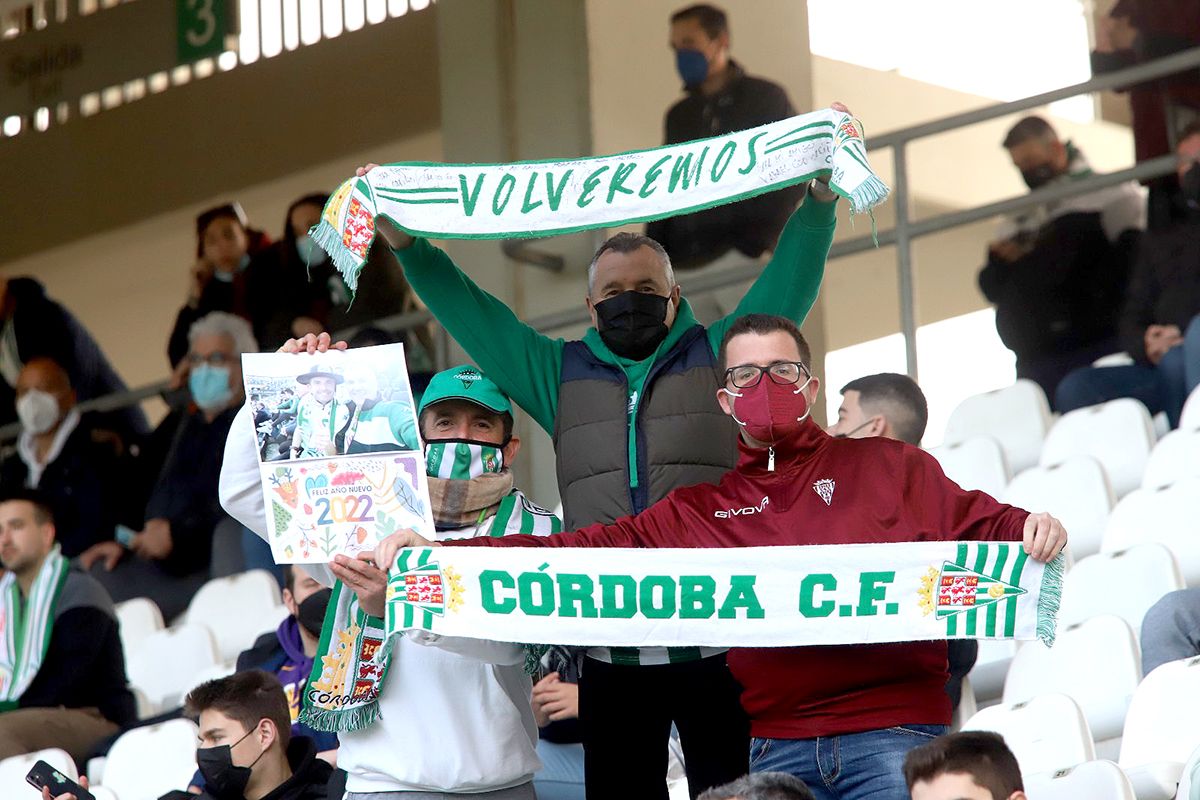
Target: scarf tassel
329	239
1049	598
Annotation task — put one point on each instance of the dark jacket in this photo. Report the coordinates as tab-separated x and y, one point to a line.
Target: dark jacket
1065	293
44	328
85	484
310	775
1165	286
751	226
186	490
282	654
84	666
280	288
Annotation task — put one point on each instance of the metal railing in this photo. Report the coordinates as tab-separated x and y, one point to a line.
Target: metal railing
901	234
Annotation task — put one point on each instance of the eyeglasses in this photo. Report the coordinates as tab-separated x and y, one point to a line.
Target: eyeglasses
783	373
217	359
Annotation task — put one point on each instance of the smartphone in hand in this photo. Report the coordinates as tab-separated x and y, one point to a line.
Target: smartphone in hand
44	775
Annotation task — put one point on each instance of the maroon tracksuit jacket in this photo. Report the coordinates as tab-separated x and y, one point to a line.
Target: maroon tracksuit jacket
882	491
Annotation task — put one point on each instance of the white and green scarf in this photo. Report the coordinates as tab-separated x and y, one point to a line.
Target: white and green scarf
25	626
548	198
728	597
342	693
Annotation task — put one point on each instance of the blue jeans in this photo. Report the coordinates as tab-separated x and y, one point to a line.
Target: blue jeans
561	776
855	766
1163	387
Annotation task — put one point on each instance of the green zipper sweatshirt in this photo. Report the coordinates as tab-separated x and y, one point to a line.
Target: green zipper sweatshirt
527	365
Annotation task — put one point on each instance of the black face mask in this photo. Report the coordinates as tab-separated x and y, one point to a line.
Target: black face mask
1189	187
632	324
1039	176
311	613
222	779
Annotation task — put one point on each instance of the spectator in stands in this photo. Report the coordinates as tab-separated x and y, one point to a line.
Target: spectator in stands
887	404
185	531
1171	629
894	407
66	686
1058	271
761	786
868	703
225	243
1137	31
247	750
288	652
721	98
291	285
33	325
1160	324
618	454
475	736
971	765
76	466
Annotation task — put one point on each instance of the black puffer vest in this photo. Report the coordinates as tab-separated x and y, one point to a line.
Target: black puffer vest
683	438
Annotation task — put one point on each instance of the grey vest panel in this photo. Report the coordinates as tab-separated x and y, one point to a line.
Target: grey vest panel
683	437
81	590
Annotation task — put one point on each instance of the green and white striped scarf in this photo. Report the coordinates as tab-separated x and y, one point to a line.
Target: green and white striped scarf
558	196
782	596
342	693
25	626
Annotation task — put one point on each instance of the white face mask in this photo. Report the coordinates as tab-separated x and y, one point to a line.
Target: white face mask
38	411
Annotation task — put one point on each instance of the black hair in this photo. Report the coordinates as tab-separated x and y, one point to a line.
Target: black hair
712	19
898	398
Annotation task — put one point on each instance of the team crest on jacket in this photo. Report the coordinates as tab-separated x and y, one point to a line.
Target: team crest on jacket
824	488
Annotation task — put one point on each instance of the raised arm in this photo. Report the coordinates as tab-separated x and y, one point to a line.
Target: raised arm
788	284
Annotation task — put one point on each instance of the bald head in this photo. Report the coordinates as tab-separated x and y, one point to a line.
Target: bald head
47	375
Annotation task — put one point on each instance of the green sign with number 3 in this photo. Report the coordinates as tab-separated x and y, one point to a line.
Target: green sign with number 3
200	27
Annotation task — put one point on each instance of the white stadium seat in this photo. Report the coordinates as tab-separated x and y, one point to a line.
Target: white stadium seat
1119	434
238	609
14	769
166	661
1017	416
1076	491
1166	515
991	667
1174	458
1189	420
1162	730
1091	780
1125	583
1045	733
146	763
137	619
1189	781
976	463
1096	663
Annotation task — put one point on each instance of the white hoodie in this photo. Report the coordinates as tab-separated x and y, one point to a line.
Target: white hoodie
453	718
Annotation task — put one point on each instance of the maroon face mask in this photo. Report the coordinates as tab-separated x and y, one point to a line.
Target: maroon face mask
769	412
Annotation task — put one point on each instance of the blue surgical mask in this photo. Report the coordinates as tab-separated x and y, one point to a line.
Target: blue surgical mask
310	252
692	66
209	385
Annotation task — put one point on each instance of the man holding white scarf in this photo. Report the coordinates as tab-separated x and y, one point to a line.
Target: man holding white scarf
62	669
449	720
839	717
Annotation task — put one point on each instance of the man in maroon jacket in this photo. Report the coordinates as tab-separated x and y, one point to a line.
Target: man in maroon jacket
840	718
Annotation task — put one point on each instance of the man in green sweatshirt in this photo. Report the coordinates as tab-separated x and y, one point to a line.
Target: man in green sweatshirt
631	411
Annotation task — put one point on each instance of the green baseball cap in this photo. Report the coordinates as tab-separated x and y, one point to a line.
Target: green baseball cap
465	382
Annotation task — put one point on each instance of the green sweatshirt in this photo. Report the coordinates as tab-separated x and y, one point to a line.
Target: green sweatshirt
527	364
